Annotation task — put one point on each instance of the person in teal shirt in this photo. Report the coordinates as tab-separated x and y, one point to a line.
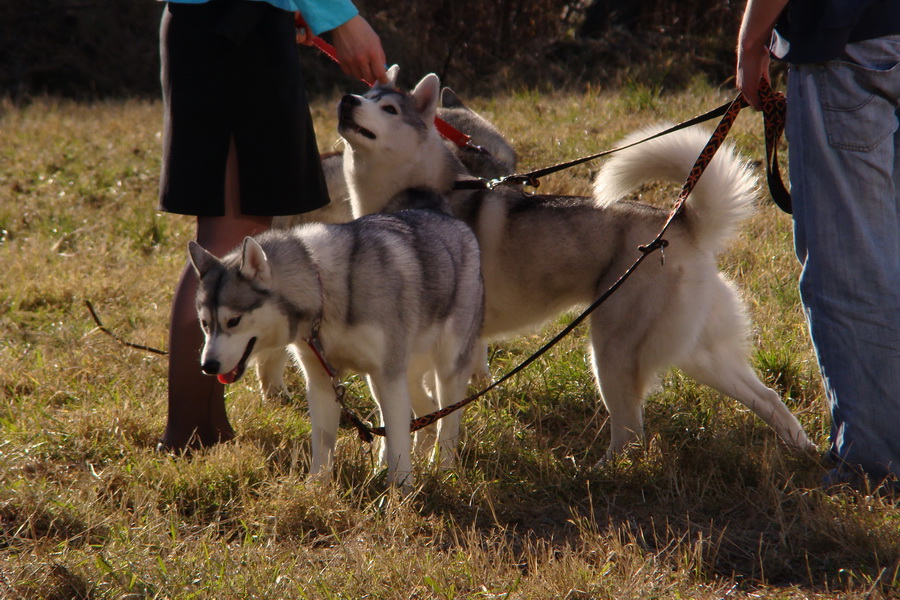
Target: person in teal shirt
238	149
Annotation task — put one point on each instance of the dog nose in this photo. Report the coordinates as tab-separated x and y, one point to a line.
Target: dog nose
211	367
347	104
349	100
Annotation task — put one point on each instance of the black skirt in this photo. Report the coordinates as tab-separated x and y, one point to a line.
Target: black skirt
230	69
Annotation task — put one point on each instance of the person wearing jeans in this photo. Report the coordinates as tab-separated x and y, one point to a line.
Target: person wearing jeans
844	151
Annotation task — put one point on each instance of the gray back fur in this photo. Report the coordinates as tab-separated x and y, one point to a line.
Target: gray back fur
401	273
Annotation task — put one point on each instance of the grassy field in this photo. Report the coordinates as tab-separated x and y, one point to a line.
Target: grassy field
714	506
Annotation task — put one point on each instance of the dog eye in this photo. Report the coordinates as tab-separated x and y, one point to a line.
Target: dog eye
204	325
233	322
389	109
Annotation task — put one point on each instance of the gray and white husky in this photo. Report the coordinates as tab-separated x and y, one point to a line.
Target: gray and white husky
490	156
544	255
396	297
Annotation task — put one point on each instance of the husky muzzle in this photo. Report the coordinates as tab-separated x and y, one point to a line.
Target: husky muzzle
214	367
346	119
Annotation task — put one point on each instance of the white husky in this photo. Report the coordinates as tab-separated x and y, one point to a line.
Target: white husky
393	296
543	255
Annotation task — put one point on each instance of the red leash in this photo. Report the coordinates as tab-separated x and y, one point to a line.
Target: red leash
444	128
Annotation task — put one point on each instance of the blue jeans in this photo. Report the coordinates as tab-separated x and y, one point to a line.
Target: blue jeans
842	125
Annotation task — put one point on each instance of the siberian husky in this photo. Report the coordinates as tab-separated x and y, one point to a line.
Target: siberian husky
490	156
392	296
544	255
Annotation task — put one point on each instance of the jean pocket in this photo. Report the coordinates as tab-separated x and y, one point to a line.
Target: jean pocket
858	104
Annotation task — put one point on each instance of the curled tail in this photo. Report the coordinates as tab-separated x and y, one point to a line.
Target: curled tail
723	196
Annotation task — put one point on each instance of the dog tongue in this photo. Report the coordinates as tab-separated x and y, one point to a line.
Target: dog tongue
227	378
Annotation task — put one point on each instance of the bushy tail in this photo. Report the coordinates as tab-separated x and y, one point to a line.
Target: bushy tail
722	198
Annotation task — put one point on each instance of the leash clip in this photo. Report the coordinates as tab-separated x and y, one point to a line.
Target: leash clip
515	179
657	244
470	145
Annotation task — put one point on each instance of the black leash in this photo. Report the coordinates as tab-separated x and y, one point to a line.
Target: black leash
532	178
102	328
774	110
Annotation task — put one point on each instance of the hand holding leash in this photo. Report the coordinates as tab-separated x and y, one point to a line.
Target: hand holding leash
445	129
359	50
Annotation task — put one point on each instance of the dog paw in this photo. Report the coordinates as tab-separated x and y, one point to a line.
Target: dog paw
278	396
804	445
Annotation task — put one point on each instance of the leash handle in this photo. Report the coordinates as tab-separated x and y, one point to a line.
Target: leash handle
774	119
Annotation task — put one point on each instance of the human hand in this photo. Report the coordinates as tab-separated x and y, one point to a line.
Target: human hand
753	47
359	50
752	67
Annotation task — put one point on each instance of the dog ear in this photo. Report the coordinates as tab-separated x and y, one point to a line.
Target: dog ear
449	99
201	258
392	74
254	263
426	96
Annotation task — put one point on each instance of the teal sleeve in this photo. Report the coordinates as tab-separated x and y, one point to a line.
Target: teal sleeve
325	15
322	15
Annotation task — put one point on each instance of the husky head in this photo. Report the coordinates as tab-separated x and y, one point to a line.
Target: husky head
388	120
496	157
233	306
392	144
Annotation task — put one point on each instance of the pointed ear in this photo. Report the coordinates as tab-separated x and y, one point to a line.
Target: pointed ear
426	96
202	259
255	264
449	99
392	74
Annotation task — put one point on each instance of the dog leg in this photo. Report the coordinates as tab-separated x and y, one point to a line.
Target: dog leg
622	392
423	403
451	388
626	413
481	374
725	369
270	371
324	416
719	360
392	395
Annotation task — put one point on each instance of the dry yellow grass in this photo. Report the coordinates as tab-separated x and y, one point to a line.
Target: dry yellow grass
714	506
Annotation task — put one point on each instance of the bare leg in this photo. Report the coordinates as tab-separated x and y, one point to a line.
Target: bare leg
197	414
